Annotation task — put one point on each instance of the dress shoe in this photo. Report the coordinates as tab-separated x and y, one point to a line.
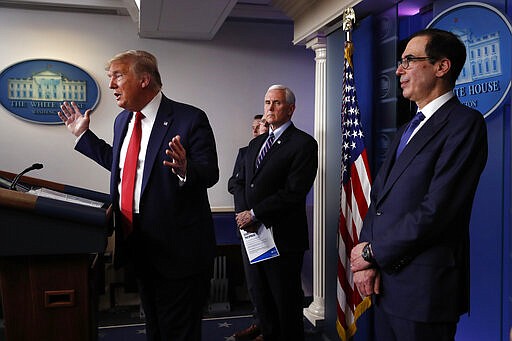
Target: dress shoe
259	338
247	334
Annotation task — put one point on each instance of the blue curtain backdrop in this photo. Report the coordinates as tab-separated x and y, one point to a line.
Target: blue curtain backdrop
377	40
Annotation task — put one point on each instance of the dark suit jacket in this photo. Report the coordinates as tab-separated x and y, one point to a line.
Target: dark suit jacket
418	220
238	197
176	234
277	190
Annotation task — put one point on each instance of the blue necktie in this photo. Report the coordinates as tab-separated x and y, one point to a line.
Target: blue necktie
405	137
268	144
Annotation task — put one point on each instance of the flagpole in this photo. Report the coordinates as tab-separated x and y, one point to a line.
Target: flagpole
354	193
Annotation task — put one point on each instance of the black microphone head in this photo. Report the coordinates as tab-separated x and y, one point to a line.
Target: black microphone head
17	177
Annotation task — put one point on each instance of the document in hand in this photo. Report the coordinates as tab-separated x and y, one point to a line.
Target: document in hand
259	245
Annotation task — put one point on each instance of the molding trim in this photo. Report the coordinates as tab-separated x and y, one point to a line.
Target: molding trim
313	17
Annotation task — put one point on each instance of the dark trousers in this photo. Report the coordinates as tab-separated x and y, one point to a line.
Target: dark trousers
278	296
173	307
250	285
392	328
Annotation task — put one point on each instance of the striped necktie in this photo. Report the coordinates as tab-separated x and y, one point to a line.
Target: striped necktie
268	144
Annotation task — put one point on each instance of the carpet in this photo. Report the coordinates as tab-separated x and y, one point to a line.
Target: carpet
125	324
213	329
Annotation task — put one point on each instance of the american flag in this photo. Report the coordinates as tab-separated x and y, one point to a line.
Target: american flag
355	199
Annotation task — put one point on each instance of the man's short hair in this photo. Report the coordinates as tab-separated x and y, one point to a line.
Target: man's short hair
290	96
444	44
141	62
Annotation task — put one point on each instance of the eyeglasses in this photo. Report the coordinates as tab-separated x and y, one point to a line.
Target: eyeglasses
404	62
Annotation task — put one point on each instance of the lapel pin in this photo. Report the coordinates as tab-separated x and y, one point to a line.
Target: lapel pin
166	123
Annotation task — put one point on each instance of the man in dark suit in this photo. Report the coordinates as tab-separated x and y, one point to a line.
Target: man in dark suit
274	189
413	255
164	231
259	126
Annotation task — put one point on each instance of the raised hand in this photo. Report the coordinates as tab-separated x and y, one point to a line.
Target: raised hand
72	117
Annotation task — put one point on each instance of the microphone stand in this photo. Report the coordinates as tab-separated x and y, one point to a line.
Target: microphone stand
17	178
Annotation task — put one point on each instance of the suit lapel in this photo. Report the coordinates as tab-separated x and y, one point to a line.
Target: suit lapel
124	120
163	121
119	135
252	153
394	168
275	147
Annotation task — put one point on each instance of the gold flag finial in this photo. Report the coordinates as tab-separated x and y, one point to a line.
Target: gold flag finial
349	19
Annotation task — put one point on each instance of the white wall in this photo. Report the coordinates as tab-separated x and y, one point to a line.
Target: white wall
226	77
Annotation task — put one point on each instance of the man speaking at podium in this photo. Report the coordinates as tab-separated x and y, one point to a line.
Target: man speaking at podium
162	160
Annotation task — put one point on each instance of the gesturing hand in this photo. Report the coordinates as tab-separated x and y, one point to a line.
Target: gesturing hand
73	118
178	156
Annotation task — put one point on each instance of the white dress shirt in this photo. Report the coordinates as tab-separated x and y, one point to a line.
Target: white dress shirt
429	110
149	112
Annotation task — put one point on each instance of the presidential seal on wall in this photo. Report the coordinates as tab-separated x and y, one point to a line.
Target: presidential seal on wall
485	79
34	89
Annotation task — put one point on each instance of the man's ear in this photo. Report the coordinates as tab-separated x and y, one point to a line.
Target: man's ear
145	80
443	67
292	109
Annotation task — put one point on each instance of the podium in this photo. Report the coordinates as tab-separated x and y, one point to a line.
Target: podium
47	248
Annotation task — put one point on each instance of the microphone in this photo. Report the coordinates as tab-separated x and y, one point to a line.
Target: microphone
17	178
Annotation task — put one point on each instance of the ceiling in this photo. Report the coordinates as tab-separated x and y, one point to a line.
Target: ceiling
167	19
199	19
196	19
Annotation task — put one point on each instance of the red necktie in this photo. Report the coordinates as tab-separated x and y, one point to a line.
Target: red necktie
129	173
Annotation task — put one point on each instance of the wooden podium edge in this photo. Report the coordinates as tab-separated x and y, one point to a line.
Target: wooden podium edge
19	200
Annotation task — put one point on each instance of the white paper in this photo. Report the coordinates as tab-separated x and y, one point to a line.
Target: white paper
259	245
48	193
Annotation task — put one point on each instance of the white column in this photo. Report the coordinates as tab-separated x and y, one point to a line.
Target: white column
316	310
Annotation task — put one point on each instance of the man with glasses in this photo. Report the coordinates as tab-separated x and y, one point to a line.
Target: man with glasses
413	255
